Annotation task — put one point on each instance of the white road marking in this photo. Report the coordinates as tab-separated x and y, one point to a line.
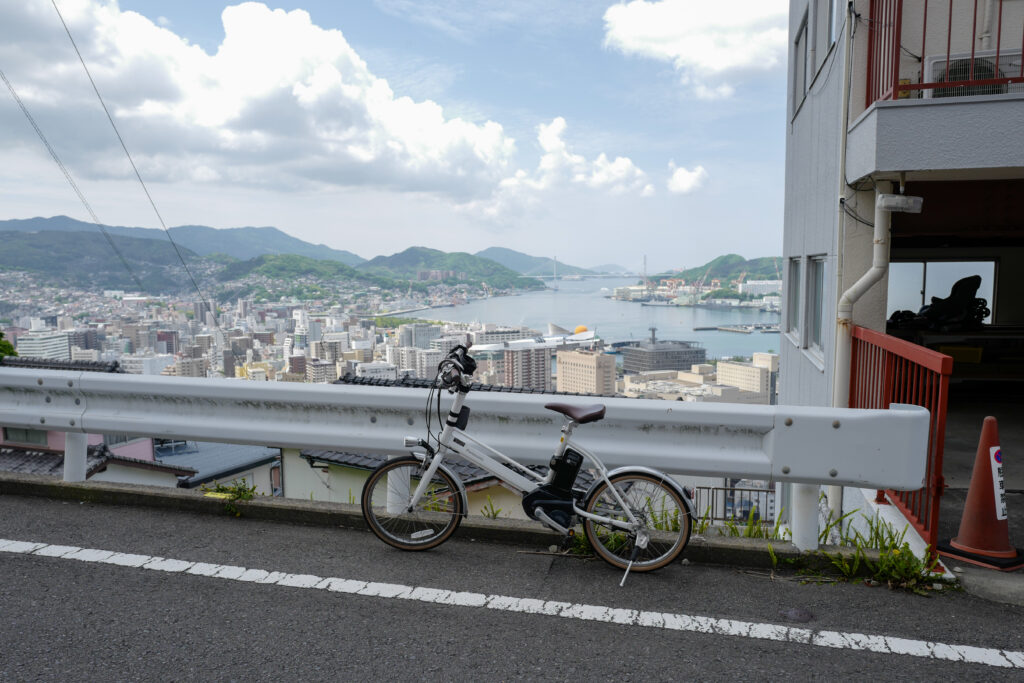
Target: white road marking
662	620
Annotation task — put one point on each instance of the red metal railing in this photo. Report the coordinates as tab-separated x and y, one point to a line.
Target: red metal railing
899	63
886	370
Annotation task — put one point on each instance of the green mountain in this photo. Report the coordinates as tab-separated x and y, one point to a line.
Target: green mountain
239	243
291	267
414	260
529	265
730	266
82	259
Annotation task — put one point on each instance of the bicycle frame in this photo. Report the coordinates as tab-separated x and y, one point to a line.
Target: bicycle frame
522	479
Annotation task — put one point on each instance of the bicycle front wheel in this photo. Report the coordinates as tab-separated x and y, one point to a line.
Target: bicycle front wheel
385	502
655	504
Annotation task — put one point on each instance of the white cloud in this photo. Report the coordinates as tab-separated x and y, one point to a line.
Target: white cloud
713	45
560	168
685	181
282	104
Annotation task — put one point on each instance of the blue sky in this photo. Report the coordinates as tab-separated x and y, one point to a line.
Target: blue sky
593	131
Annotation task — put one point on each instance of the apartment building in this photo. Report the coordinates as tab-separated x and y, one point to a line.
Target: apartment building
891	99
147	364
585	372
321	371
904	171
378	370
495	334
528	368
425	362
418	335
44	344
190	367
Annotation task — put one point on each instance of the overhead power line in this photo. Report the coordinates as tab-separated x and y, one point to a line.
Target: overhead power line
71	181
131	161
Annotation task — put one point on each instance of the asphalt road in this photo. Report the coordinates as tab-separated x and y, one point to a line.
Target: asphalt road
70	620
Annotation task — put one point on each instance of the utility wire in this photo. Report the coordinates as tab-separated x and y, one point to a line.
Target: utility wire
138	175
71	181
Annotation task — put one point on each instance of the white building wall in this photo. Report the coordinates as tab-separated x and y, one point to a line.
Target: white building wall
135	475
377	370
50	345
811	206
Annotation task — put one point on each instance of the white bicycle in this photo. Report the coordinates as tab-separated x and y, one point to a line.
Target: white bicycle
635	518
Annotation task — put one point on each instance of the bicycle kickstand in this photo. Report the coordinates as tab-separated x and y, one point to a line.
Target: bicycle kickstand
641	542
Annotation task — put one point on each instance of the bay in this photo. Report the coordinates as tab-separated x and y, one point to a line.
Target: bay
585	302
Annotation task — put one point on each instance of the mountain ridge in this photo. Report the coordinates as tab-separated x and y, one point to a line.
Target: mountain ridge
530	265
242	243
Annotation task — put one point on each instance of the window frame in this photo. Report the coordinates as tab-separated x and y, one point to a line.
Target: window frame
814	334
8	438
801	58
794	298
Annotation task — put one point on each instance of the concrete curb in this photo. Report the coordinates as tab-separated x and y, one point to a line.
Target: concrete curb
722	550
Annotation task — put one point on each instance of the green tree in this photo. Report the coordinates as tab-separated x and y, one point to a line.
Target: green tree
6	348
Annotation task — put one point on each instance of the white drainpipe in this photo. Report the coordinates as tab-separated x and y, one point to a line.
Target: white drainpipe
885	205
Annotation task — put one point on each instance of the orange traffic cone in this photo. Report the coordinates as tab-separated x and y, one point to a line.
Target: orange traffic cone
984	537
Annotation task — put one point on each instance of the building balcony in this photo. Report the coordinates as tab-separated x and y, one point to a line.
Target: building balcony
943	90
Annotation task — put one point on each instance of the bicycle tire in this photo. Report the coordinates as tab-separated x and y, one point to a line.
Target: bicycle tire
436	518
658	504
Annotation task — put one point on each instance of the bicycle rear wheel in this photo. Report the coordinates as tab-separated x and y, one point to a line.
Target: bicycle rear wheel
385	502
656	504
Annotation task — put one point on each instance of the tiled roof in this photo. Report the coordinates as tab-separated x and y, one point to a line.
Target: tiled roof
97	457
51	364
50	463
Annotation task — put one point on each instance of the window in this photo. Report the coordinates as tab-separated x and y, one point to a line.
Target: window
815	301
793	296
912	284
36	437
801	65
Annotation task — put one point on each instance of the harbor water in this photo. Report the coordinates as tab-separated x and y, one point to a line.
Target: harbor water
587	302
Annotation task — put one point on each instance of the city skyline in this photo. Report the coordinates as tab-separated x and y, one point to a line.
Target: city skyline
453	126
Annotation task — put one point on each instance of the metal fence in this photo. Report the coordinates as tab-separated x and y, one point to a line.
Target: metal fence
888	370
944	48
719	504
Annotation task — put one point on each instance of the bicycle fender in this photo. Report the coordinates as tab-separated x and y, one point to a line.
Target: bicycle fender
639	469
454	477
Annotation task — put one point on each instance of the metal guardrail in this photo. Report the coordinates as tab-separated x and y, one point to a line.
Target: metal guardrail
866	448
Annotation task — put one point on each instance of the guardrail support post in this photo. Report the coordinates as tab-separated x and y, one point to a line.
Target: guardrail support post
805	516
75	447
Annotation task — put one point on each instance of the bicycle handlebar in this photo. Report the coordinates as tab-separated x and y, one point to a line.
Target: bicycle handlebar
456	366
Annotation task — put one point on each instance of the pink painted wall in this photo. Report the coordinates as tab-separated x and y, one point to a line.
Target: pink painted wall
140	449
